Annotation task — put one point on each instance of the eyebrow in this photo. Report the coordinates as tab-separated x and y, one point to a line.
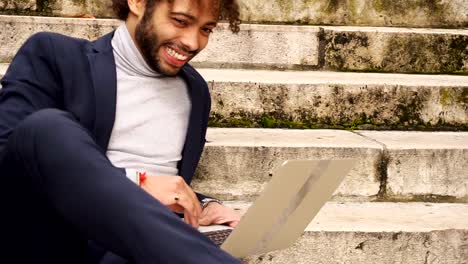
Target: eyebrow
193	18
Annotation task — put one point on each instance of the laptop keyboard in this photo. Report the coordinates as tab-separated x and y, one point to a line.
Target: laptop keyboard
218	237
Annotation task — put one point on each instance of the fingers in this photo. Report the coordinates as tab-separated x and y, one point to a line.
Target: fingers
176	208
186	198
219	215
191	215
174	193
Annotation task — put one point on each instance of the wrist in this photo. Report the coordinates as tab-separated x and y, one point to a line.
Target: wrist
207	201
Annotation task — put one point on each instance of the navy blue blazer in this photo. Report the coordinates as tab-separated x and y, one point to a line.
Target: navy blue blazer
78	76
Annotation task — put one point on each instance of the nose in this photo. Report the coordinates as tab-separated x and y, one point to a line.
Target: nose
191	40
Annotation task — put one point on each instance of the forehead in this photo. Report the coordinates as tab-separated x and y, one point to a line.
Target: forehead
197	8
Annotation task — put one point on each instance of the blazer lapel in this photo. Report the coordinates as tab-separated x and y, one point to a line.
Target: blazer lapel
103	72
194	132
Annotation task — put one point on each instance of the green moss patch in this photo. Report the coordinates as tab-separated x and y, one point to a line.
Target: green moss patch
427	198
397	52
362	122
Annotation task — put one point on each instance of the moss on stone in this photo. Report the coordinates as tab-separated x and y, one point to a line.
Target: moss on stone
445	97
80	2
428	198
286	6
409	109
403	53
463	98
46	7
362	122
417	53
413	13
435	8
453	96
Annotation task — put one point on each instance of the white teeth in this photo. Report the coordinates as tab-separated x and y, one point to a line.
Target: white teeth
176	55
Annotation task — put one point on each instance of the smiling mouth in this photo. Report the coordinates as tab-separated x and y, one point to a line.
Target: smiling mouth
176	55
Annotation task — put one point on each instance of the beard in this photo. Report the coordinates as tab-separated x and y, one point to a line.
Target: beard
147	41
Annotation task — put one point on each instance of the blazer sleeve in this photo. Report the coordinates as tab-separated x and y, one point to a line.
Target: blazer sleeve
30	84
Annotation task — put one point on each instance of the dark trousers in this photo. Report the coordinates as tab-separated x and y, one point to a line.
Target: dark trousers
59	192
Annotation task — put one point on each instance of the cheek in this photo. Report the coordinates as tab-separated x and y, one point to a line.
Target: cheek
203	41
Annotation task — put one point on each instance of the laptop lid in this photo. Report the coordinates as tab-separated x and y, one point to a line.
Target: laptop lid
289	202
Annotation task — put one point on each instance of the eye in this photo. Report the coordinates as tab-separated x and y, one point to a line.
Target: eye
208	30
180	22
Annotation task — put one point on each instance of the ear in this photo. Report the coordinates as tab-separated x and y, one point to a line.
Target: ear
137	7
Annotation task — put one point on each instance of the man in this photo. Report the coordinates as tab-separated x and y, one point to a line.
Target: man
80	120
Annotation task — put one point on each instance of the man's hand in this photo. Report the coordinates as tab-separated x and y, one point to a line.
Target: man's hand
173	192
217	214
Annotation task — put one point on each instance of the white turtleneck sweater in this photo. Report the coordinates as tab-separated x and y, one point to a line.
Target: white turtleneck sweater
151	116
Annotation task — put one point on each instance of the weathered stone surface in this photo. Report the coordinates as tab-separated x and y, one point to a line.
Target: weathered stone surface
288	47
274	99
447	246
3	69
382	217
247	98
378	233
15	30
413	13
15	5
64	8
399	165
395	50
280	47
422	165
96	8
237	163
407	13
261	46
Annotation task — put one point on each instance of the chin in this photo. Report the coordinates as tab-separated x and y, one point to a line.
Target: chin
170	73
165	69
169	70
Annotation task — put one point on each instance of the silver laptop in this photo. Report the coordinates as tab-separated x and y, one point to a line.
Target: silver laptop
289	202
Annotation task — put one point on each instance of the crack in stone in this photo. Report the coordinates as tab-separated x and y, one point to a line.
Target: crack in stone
382	167
361	245
426	242
427	257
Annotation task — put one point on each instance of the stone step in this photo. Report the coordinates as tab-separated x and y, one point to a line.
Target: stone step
63	8
3	69
350	13
276	99
392	166
384	233
252	98
286	47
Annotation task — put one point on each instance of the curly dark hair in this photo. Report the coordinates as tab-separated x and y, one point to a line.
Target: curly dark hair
229	11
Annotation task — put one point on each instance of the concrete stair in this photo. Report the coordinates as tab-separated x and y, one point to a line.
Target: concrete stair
306	65
355	12
368	49
310	99
383	233
393	166
3	68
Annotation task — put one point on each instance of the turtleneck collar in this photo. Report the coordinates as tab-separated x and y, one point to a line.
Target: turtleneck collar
127	56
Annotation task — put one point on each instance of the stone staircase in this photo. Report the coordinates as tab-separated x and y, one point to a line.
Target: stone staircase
382	81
